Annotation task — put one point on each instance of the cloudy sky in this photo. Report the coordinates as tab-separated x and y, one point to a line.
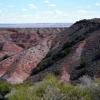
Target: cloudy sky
47	11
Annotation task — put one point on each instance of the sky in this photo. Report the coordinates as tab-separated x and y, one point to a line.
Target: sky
48	11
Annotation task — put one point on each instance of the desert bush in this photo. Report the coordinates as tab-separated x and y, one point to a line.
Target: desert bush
33	92
53	93
92	85
22	85
97	81
58	91
5	87
52	89
72	92
23	92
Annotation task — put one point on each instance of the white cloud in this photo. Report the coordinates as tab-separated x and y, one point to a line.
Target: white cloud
54	15
11	6
97	4
83	11
0	11
59	12
46	1
84	14
24	9
52	5
32	6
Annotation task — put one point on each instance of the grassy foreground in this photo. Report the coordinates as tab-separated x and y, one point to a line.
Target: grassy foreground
49	89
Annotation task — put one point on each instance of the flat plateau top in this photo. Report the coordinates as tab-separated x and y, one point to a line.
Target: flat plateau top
36	25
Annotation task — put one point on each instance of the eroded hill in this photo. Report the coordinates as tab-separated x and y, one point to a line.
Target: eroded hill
69	53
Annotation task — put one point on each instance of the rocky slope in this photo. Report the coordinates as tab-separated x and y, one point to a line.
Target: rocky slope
21	50
69	53
79	56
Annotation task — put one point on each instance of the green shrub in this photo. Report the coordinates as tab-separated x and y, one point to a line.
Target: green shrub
53	93
52	89
58	91
22	85
95	89
97	81
5	87
33	92
23	92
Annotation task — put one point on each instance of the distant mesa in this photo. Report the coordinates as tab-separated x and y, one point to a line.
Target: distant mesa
36	25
